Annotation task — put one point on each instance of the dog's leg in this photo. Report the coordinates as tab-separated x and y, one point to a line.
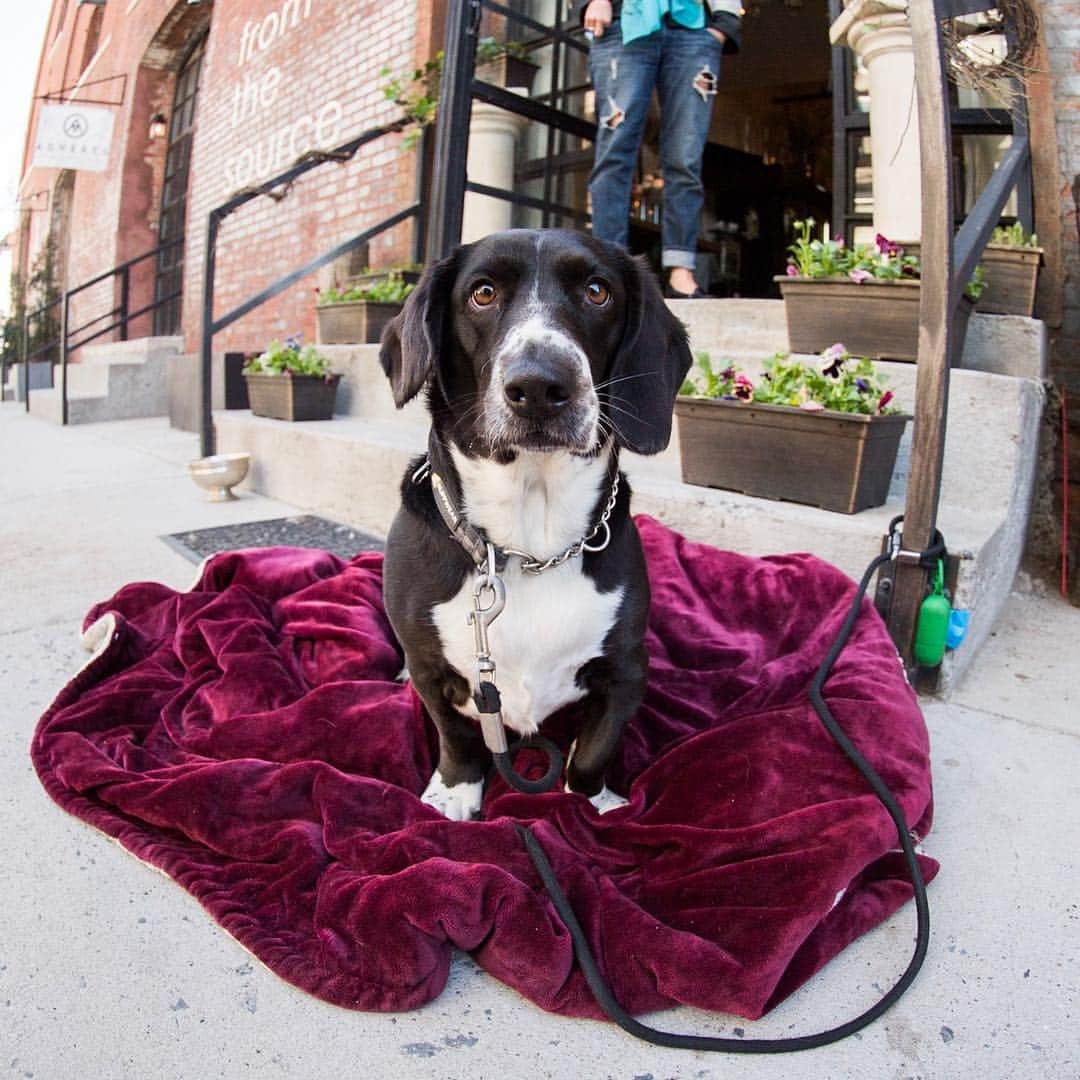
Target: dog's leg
605	715
457	785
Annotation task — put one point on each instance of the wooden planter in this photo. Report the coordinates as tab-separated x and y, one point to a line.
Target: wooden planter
293	397
834	460
353	322
377	277
1011	274
508	71
878	319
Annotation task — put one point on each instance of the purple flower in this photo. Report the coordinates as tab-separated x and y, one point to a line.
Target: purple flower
792	270
886	246
728	373
859	276
744	388
862	386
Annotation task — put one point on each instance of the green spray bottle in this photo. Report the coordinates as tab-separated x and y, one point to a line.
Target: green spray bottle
932	629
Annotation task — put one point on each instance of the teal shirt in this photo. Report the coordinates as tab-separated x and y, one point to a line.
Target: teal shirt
643	17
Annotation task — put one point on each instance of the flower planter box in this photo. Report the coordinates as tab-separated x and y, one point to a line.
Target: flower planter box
508	71
1011	274
834	460
293	397
377	277
878	319
353	322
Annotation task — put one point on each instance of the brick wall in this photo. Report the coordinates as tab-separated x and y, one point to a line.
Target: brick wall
1061	32
1061	37
279	77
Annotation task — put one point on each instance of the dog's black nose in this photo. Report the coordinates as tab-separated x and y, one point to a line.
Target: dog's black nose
536	395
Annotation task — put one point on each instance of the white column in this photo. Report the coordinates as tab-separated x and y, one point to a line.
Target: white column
493	136
880	35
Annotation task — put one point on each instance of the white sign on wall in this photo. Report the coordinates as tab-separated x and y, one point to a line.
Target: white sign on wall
73	136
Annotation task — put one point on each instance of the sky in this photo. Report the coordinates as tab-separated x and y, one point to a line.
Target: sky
22	29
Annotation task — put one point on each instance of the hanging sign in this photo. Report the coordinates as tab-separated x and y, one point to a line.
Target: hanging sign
73	136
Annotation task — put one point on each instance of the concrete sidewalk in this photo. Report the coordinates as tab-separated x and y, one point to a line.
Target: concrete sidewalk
110	971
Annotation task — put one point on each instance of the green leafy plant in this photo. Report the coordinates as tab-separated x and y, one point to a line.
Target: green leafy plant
839	382
489	50
40	292
1014	236
289	358
884	260
417	94
392	289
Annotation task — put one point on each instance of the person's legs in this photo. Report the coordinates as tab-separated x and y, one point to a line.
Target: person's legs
687	83
623	77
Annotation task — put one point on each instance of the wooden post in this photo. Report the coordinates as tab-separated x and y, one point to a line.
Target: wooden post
936	306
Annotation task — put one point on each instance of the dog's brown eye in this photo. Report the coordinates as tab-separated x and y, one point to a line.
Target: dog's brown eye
484	294
597	292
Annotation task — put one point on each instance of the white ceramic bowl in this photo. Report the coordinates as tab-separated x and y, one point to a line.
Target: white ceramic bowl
217	474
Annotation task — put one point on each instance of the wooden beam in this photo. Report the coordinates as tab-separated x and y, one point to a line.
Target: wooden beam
936	305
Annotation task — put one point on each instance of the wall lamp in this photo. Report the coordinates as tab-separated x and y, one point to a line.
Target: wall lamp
159	126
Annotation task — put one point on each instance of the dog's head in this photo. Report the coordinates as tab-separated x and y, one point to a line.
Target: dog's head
540	340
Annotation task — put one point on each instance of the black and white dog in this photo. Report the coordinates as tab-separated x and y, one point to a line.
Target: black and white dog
544	352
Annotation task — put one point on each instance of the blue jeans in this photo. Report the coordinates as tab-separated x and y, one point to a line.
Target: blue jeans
684	66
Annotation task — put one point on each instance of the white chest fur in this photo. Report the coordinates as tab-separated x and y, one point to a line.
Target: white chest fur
553	622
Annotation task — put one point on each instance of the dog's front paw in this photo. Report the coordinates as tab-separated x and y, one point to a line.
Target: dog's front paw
460	802
606	800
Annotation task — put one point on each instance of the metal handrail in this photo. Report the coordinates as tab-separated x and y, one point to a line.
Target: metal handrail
270	188
68	340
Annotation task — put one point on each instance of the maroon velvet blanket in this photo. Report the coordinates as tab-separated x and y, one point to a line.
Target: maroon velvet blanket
248	738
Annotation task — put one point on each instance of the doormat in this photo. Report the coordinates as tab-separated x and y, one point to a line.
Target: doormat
302	531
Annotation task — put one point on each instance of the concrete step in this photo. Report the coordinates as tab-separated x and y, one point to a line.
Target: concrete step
749	330
350	468
120	380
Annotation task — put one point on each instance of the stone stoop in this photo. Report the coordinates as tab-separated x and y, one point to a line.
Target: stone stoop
120	380
350	468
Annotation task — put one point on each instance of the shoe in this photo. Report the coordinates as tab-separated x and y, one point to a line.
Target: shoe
674	294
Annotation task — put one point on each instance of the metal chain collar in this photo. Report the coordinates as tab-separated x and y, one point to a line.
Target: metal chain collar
533	565
476	546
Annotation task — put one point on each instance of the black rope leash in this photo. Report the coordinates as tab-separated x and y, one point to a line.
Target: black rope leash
599	986
504	762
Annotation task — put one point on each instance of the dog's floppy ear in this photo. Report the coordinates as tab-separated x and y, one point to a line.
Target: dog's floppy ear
412	341
650	365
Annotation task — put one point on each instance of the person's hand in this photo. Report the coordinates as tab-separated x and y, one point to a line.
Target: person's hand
718	34
598	17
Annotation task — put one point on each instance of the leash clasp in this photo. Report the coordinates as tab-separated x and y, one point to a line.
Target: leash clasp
490	588
489	599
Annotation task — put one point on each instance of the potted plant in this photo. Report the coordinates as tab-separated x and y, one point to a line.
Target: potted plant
290	382
868	295
408	273
821	433
360	313
1011	261
417	93
503	63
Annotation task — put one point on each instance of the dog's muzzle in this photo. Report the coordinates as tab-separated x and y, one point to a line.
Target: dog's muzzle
547	401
